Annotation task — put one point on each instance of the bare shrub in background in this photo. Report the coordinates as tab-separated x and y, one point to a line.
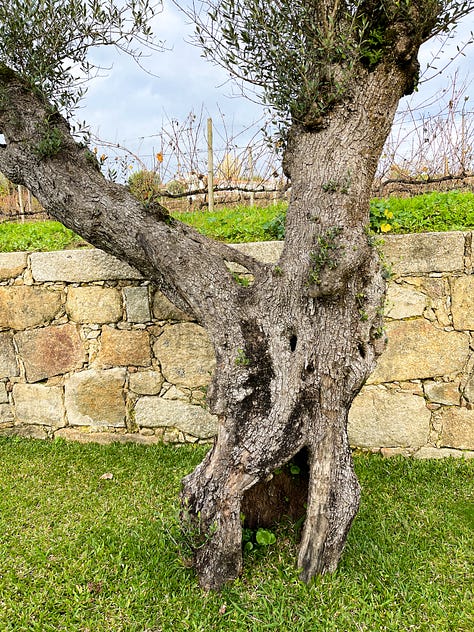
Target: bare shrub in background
431	145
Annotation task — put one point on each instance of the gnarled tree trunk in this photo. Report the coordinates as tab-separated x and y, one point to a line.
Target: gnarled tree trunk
298	347
292	349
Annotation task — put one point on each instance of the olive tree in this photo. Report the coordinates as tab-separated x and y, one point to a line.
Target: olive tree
295	346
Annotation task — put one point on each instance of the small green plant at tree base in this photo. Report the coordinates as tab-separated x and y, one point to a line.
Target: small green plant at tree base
264	537
193	536
290	467
260	538
295	470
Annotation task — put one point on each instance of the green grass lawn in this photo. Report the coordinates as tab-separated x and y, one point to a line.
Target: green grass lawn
421	213
82	553
33	236
240	223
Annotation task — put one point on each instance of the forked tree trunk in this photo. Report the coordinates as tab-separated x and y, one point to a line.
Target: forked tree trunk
292	349
285	390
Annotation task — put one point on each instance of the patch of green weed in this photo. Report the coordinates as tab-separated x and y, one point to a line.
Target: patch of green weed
431	212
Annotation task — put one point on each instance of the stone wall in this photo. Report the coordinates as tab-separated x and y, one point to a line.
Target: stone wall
90	351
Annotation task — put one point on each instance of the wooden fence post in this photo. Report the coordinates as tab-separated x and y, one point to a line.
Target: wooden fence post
20	202
250	169
210	167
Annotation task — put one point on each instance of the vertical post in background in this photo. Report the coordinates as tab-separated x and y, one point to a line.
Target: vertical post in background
210	167
20	202
250	169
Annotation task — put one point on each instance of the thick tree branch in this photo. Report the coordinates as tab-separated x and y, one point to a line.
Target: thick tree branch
65	177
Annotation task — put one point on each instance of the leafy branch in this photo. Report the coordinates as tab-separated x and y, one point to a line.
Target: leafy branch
47	42
300	57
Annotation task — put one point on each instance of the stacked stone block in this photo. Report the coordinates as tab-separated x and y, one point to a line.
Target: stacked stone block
418	400
91	351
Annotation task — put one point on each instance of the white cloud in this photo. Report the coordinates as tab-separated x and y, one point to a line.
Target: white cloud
129	106
126	105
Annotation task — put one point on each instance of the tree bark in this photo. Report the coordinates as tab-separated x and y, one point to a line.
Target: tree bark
308	334
292	349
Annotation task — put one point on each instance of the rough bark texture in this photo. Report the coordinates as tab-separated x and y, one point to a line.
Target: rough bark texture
292	350
308	334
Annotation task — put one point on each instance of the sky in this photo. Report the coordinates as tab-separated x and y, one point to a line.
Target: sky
127	106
